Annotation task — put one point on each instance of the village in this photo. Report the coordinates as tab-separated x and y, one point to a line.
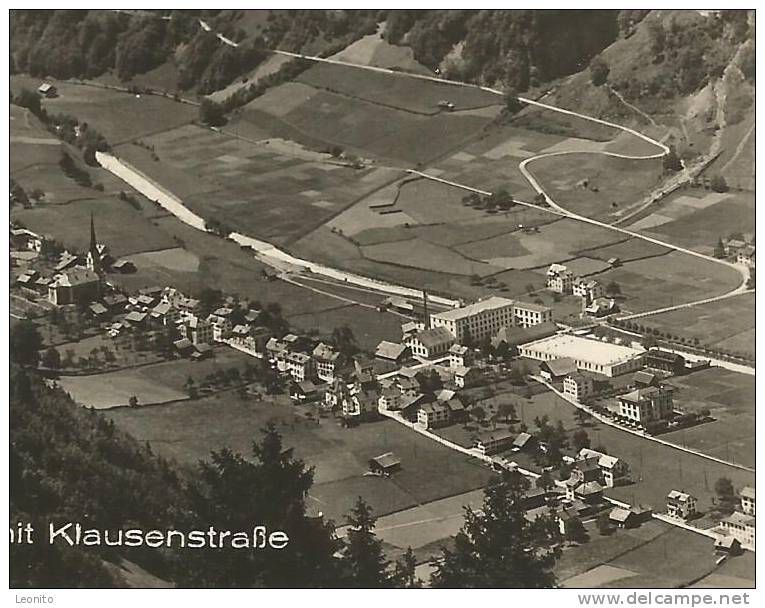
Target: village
426	378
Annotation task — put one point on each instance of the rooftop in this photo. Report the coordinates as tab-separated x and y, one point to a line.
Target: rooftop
579	348
435	337
389	350
747	492
740	519
470	310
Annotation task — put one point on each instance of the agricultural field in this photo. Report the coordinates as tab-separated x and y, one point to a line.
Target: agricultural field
730	397
263	192
429	471
679	278
119	116
726	324
395	91
697	218
375	51
638	559
125	230
596	186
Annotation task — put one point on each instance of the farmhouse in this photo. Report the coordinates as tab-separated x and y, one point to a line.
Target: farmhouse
75	286
646	405
465	377
560	279
390	399
589	355
589	289
613	470
430	343
745	256
326	358
585	481
601	307
460	356
390	351
197	330
578	386
681	505
491	443
433	415
644	379
747	500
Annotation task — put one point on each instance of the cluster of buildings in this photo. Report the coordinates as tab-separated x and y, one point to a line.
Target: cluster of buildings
560	279
742	250
740	525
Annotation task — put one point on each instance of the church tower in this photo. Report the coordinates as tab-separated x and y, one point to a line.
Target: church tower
94	256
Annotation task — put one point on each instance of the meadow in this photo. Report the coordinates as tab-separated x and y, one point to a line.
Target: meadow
429	470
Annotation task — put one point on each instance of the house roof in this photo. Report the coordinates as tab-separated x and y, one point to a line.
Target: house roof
531	306
306	386
444	394
589	488
455	405
77	276
98	308
461	370
495	436
512	336
436	336
640	394
644	377
561	366
458	349
325	352
386	460
740	519
556	269
619	514
470	310
677	495
389	350
135	316
604	460
182	344
521	440
161	309
747	492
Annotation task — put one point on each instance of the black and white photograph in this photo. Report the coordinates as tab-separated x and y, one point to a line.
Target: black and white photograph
367	298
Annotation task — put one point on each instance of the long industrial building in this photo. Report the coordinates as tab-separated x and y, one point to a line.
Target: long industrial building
486	317
588	354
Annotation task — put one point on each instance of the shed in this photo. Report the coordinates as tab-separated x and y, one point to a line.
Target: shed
385	463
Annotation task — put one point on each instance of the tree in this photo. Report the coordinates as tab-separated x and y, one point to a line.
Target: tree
613	288
269	487
582	417
598	71
545	481
512	103
363	558
344	341
29	100
580	440
575	531
133	401
506	409
751	281
478	413
726	493
671	160
404	576
604	524
718	183
25	343
719	250
497	546
211	113
51	358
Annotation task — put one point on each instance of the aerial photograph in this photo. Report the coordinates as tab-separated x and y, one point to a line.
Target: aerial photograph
355	298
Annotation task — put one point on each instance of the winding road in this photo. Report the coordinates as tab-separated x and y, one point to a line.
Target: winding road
271	255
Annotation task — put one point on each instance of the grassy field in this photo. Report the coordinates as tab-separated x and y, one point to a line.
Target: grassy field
260	191
696	218
401	92
429	471
106	110
672	279
594	185
119	225
151	384
730	398
727	324
555	123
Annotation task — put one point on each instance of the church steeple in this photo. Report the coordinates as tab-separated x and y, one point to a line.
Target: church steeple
94	257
